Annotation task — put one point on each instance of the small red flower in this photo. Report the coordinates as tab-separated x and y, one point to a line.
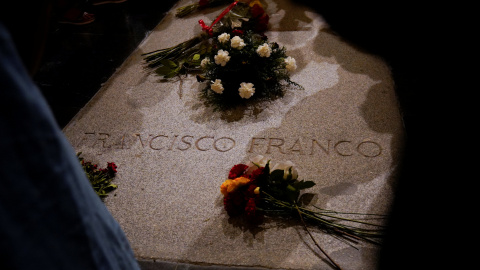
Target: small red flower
257	173
234	203
237	171
237	32
112	167
252	214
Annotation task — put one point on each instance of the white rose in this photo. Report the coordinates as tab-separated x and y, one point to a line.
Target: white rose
264	50
237	43
205	62
259	160
246	90
286	167
217	86
222	58
224	37
291	63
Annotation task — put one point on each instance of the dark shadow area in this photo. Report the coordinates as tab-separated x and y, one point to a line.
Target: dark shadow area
71	62
404	35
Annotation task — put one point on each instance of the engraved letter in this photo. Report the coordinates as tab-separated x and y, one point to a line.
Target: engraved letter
342	153
224	146
254	143
151	141
84	137
297	147
364	151
140	139
326	150
173	142
188	144
279	143
198	142
105	137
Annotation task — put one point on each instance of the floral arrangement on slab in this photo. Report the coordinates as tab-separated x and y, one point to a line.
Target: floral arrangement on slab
263	67
100	178
232	56
259	188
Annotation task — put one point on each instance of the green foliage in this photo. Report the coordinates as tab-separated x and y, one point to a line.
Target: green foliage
268	74
281	187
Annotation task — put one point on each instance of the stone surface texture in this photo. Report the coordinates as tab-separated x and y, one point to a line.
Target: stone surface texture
343	131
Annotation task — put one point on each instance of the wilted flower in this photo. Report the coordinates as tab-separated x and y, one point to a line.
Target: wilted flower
264	50
246	90
237	43
291	63
217	86
224	38
222	58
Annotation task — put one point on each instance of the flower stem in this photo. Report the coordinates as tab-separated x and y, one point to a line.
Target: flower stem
335	265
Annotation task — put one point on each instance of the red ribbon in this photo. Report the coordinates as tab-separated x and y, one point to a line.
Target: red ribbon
209	29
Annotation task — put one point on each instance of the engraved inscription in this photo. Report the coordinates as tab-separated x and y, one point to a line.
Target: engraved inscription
158	142
259	145
315	146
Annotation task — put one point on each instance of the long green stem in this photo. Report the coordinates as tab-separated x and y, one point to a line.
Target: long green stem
330	221
314	241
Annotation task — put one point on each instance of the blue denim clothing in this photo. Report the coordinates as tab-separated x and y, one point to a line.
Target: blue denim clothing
50	217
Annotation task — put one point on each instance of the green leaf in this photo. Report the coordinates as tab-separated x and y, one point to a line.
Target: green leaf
169	63
303	184
196	57
292	193
277	176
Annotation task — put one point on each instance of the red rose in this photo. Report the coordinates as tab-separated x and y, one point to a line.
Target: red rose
237	171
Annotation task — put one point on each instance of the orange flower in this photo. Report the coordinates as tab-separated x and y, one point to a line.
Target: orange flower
255	2
231	185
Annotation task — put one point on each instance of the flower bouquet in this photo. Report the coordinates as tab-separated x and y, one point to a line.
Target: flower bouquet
100	179
232	56
257	189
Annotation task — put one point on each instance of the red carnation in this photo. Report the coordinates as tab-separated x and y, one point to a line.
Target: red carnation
256	173
237	32
250	192
253	216
237	171
234	203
